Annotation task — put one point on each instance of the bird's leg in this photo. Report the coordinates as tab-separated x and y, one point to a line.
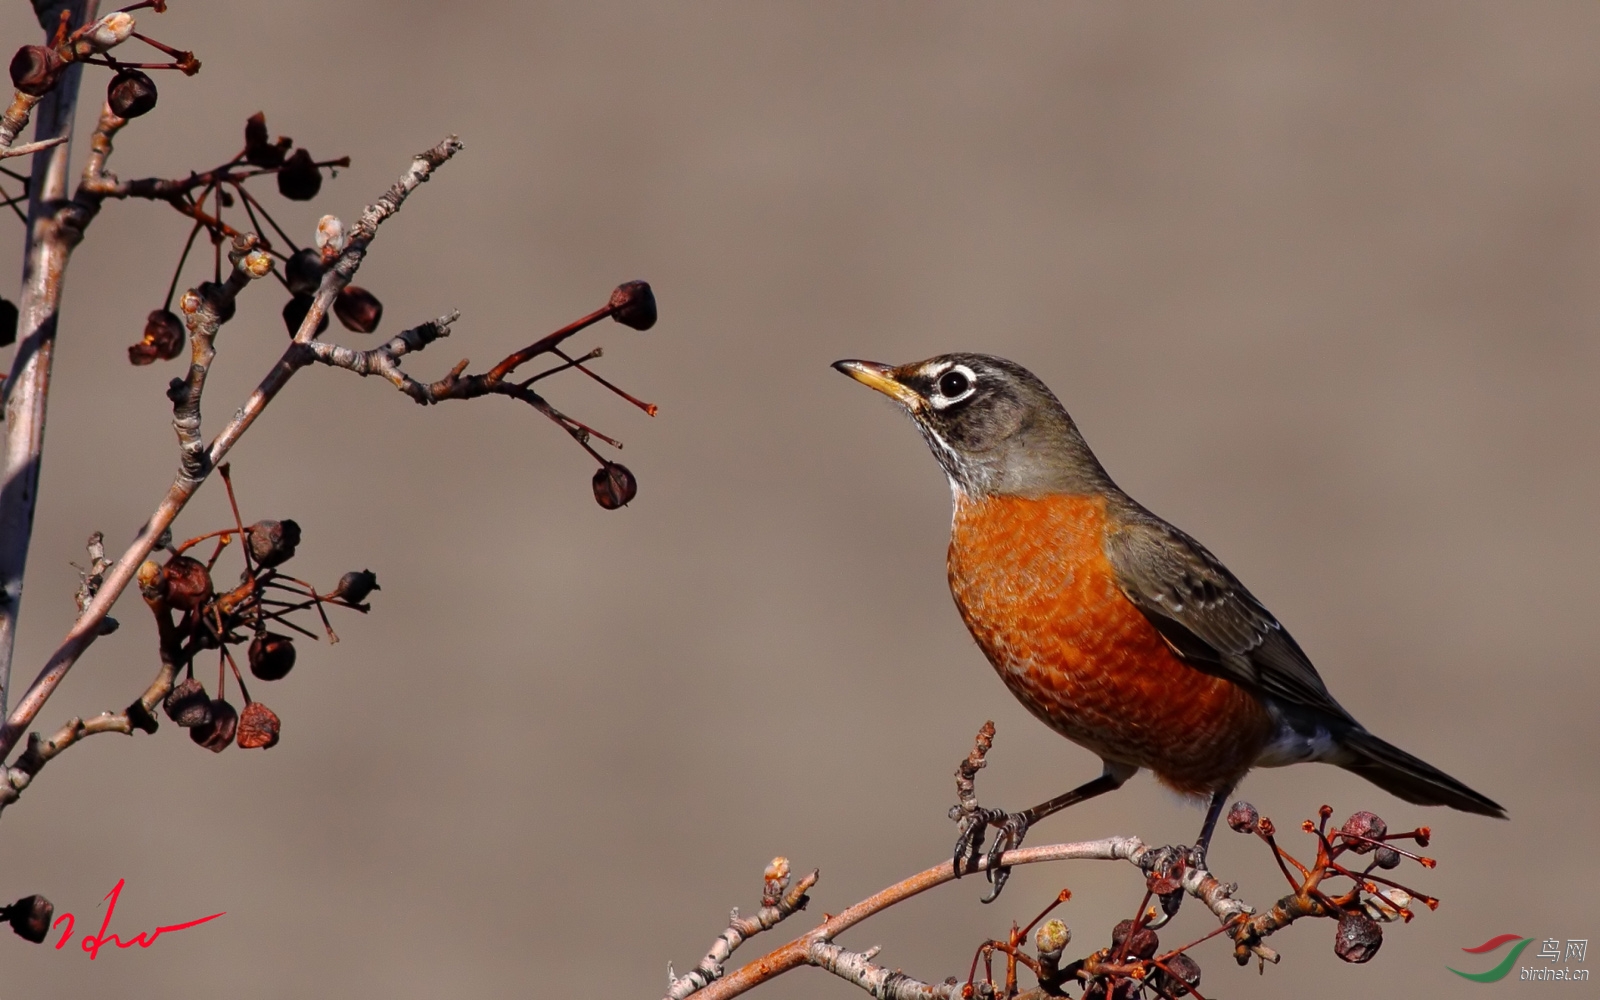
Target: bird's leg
1197	857
1012	827
1169	861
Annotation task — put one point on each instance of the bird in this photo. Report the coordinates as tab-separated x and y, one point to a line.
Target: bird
1114	628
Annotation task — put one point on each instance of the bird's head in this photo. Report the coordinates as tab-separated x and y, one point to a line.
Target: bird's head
994	427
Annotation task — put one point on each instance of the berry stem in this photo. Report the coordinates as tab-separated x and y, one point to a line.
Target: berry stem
648	408
225	470
250	199
177	272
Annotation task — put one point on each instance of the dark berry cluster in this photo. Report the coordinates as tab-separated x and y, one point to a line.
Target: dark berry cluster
206	197
192	616
1366	902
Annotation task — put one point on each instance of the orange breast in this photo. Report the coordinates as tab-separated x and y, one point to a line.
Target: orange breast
1033	583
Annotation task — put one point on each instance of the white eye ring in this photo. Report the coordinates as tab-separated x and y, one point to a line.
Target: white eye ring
939	399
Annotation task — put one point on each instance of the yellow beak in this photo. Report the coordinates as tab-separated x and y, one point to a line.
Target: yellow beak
881	378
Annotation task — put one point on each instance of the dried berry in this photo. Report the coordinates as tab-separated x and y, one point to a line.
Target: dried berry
303	272
634	304
258	151
1358	938
217	734
1242	817
35	69
1119	934
358	309
1362	824
1143	944
271	656
258	727
294	314
8	322
1184	968
614	485
1387	857
1124	988
163	338
216	296
272	543
30	917
299	179
131	94
188	704
186	583
355	586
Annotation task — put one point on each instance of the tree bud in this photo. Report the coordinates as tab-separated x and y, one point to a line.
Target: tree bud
111	30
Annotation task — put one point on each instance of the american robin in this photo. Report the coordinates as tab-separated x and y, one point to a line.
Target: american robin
1114	628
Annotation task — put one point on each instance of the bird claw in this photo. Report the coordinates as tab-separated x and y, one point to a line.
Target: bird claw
1010	828
969	840
1008	836
1168	864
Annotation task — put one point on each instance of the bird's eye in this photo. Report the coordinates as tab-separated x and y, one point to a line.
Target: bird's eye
954	384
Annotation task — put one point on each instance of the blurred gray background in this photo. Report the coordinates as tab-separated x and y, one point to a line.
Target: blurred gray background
1319	284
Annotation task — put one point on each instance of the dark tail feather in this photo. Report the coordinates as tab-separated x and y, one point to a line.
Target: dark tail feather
1409	778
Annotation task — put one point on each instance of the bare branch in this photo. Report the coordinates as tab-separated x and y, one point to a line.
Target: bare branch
778	901
51	238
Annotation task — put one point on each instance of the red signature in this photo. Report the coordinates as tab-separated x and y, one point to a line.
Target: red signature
92	943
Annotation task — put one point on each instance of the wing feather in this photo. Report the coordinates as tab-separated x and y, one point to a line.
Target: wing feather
1207	616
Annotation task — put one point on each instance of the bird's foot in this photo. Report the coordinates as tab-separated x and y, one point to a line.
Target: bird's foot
1166	868
1010	828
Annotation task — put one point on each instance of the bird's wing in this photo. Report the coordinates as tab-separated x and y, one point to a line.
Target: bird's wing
1207	616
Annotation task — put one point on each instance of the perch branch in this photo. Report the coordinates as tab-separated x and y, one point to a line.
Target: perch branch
1131	964
809	948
